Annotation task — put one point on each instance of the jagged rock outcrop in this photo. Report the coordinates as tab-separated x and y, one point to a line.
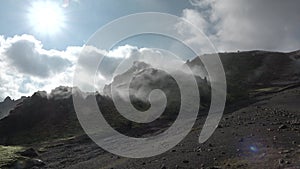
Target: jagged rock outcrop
7	105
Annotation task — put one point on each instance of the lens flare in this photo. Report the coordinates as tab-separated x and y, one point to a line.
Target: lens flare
253	148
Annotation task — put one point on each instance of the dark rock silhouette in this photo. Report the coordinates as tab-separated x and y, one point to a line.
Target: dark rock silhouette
7	105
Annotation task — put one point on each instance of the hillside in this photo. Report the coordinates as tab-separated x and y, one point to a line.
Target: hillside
43	120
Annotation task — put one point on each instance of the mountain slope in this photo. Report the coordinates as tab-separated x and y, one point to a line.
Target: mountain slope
250	70
43	117
40	117
7	105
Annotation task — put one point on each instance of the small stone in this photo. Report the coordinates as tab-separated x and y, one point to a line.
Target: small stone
284	152
163	167
28	163
37	162
185	161
29	153
282	126
280	161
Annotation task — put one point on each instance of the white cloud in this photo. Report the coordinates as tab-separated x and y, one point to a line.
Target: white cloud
117	61
26	55
26	67
246	25
122	51
195	29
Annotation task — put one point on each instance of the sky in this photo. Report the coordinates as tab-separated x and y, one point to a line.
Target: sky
40	40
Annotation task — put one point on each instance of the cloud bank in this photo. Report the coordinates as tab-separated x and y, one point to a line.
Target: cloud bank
27	56
246	25
27	67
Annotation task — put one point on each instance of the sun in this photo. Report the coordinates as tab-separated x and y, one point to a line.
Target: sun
46	17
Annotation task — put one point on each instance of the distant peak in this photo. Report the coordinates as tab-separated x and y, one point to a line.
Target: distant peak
140	65
61	92
40	94
7	99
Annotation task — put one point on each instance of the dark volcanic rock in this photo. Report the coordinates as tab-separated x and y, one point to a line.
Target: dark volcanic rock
29	153
7	105
282	126
39	118
27	163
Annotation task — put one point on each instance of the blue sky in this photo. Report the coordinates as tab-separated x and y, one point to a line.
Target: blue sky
40	43
83	18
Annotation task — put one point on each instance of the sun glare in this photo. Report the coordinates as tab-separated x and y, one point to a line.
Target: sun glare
46	17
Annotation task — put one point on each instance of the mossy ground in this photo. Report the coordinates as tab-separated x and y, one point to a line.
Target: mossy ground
9	154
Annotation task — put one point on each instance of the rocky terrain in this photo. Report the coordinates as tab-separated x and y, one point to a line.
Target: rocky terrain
260	127
265	134
7	105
